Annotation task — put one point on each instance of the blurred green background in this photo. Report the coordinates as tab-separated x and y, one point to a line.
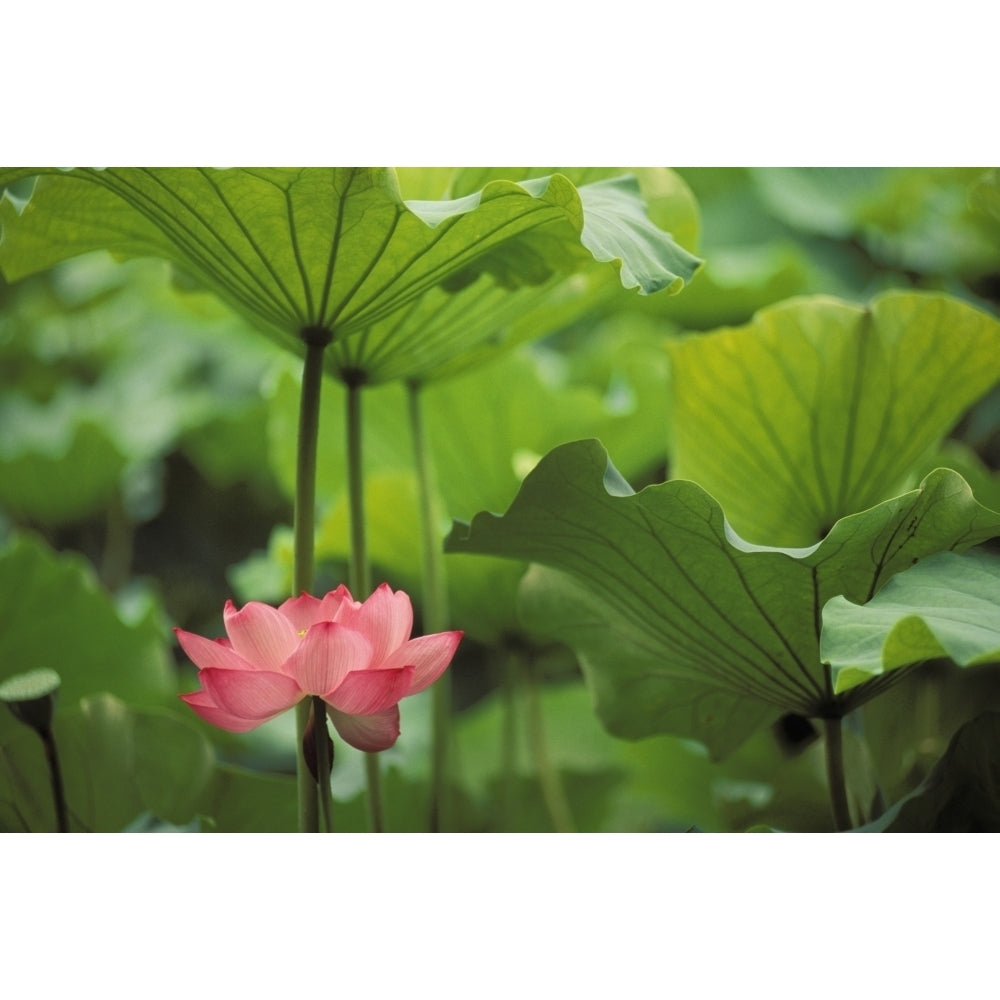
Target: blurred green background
147	449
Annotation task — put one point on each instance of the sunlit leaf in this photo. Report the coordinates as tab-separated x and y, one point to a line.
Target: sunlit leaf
818	408
697	605
985	482
450	330
336	249
669	202
947	605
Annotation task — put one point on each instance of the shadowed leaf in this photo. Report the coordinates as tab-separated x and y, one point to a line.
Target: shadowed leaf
691	602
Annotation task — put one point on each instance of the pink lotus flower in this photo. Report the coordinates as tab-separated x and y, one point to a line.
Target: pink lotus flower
358	657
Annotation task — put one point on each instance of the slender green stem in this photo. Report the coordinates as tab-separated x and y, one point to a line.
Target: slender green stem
508	744
836	779
359	571
553	792
305	530
55	776
308	791
373	777
435	606
323	762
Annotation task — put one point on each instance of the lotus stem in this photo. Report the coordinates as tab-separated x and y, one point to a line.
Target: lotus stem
359	571
323	762
305	540
55	776
553	792
508	741
835	776
435	606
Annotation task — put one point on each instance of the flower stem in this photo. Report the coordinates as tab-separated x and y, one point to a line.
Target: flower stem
836	779
305	530
359	571
435	605
508	745
55	776
373	776
323	762
553	792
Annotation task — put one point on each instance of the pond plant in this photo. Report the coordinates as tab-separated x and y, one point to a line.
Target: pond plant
787	624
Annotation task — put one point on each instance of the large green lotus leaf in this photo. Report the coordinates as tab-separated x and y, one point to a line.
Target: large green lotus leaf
945	606
665	570
53	614
447	331
962	792
333	248
818	408
669	201
116	764
555	604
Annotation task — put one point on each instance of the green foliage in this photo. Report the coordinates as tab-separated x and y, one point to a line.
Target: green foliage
113	369
145	427
338	249
818	408
662	592
41	456
486	429
914	220
117	763
962	792
945	606
53	615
